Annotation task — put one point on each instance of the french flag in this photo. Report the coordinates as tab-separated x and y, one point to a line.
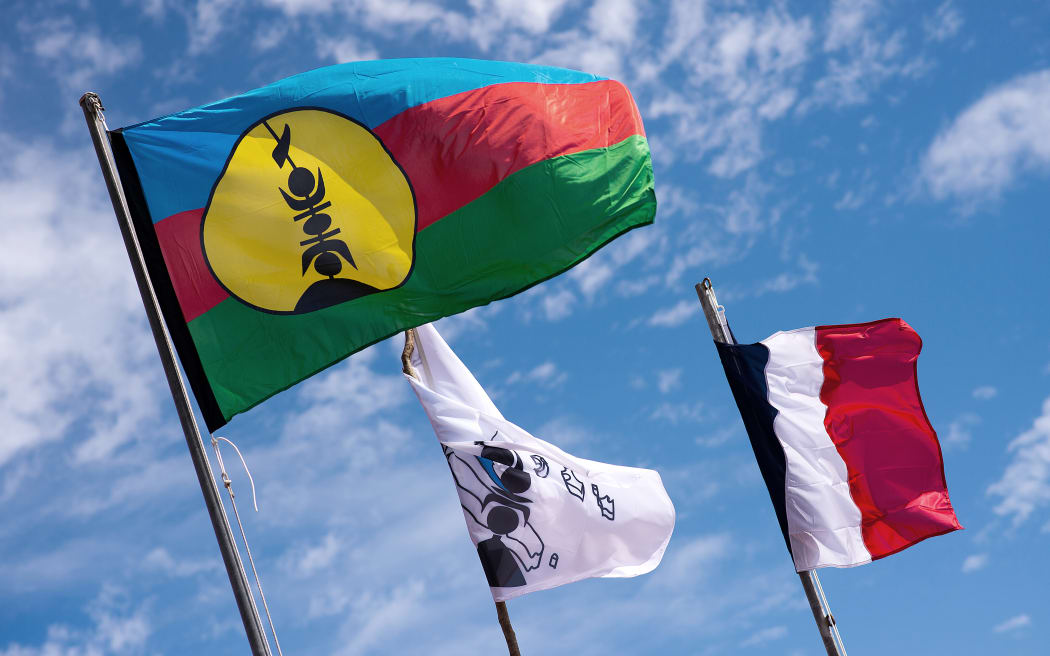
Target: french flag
853	467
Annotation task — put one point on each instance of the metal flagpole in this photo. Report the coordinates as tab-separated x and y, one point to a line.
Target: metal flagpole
716	321
501	606
92	106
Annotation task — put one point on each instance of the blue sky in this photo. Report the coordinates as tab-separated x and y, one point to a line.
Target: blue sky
821	162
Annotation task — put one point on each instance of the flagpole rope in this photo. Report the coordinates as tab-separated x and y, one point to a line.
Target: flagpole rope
406	354
501	607
244	538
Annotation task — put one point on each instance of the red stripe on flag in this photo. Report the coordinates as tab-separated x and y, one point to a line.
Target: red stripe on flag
179	236
878	424
456	148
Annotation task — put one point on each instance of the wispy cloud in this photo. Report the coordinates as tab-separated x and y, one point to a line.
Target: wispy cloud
985	392
675	315
346	49
1013	624
862	54
974	563
546	374
690	559
944	23
960	430
668	380
558	305
742	71
79	55
677	413
764	636
206	21
564	432
1024	486
117	628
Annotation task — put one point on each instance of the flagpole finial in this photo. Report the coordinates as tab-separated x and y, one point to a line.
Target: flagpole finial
91	98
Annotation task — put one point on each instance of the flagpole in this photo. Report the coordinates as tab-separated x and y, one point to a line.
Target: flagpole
253	628
716	321
501	606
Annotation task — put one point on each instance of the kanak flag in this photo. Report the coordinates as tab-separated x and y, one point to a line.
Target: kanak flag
291	226
852	464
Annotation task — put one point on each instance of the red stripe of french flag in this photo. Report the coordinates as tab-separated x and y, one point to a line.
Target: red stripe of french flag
865	476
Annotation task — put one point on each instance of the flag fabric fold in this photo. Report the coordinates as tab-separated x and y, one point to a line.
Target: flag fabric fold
291	226
851	462
538	516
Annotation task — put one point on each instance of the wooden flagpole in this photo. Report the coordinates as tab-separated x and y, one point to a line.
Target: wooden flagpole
829	634
501	606
253	628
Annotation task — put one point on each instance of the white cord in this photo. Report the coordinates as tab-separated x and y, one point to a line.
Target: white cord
226	479
229	488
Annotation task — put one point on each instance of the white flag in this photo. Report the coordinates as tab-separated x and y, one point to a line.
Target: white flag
538	516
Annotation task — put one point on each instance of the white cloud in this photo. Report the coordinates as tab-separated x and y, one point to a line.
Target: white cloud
117	629
718	438
1025	484
534	17
764	636
960	431
985	392
994	141
689	560
862	55
345	49
783	282
377	618
594	273
676	413
847	22
75	350
614	20
154	9
79	56
297	7
944	23
668	380
564	432
974	562
546	374
1013	624
742	70
676	315
206	22
306	560
788	281
160	559
270	35
558	305
469	323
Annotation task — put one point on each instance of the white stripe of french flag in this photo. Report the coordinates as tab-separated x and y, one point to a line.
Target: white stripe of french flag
852	464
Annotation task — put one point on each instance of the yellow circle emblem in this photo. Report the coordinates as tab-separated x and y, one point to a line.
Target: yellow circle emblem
310	211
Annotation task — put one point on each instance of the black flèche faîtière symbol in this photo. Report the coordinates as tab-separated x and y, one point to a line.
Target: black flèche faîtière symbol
323	251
